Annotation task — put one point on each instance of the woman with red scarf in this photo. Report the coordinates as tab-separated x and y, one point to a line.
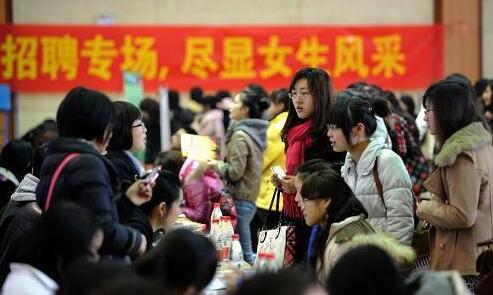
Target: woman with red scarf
304	134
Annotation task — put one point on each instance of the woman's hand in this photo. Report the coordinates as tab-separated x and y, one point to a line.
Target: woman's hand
287	184
140	192
275	181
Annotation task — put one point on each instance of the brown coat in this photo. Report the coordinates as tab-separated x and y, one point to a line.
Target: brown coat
461	208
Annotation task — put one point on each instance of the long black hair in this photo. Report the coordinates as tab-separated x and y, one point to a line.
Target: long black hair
62	236
324	182
352	107
320	87
183	259
454	107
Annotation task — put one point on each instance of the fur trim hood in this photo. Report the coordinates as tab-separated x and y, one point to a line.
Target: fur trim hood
402	254
471	137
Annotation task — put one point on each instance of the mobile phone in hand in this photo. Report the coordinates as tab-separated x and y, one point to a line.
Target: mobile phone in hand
278	171
151	177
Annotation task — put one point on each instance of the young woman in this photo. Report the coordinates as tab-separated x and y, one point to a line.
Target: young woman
375	173
304	136
85	120
460	201
65	234
151	117
327	201
129	135
163	209
185	262
273	156
241	169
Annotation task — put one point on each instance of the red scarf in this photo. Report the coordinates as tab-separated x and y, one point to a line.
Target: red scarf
298	139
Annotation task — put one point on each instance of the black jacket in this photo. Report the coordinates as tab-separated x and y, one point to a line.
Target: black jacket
136	219
124	166
16	222
91	181
321	149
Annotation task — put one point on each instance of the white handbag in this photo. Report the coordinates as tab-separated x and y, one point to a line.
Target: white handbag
280	241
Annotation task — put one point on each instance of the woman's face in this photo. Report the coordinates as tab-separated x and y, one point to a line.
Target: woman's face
238	111
314	211
303	100
430	118
138	136
337	139
173	212
487	95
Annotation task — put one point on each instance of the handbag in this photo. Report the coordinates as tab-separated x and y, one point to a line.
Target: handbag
281	240
55	177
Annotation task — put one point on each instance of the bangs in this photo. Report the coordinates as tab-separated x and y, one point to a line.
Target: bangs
339	115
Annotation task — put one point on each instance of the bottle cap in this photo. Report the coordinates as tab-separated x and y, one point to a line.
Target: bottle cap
217	205
223	218
227	218
216	220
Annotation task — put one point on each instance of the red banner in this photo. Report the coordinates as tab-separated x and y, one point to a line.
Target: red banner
35	58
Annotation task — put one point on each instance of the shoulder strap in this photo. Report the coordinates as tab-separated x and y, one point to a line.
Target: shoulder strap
378	184
55	177
275	197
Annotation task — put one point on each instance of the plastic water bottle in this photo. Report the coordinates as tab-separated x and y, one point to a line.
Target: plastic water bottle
226	233
216	212
213	233
236	252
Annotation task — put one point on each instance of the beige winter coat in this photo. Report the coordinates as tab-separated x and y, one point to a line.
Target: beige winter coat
353	232
461	208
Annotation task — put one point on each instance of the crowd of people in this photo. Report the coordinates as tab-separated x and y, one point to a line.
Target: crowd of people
81	214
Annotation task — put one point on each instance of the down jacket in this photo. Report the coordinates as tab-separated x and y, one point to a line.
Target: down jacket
89	180
461	205
273	156
397	219
199	189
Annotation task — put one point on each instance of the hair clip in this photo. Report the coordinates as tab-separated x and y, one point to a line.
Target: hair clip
370	109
